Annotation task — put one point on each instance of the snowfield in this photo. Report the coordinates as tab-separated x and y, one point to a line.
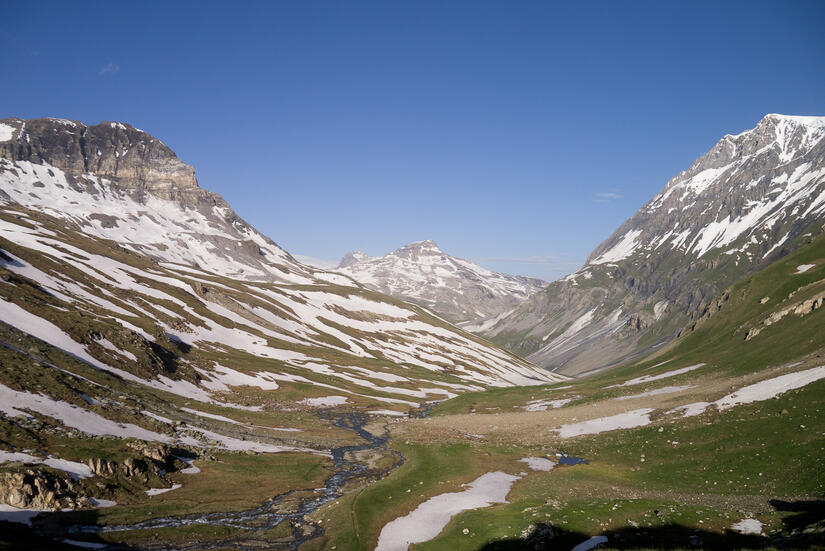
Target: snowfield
749	526
428	519
538	463
627	420
757	392
77	470
665	375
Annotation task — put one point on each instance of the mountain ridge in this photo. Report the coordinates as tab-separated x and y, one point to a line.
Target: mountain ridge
163	268
747	201
118	182
457	289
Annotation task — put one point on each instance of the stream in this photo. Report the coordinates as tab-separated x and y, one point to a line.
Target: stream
255	522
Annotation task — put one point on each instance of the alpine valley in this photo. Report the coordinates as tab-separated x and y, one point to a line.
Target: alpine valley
170	378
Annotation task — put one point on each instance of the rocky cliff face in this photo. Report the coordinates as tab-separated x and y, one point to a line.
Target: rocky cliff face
118	152
117	182
752	198
457	289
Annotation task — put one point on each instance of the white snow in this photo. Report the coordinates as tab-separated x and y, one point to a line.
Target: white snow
691	410
802	268
806	120
6	132
621	250
538	463
324	401
109	346
236	444
542	405
480	327
77	470
102	503
211	416
390	412
590	543
574	328
395	331
659	308
224	377
663	390
171	232
749	526
757	392
428	519
665	375
71	415
191	469
46	331
9	513
232	421
800	186
765	390
421	271
627	420
157	491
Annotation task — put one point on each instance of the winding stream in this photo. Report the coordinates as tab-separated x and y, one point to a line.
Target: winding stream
254	522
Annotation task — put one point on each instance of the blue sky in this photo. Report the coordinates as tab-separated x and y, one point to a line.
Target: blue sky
515	134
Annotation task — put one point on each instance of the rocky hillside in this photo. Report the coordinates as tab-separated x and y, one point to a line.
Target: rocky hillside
117	182
457	289
111	253
750	200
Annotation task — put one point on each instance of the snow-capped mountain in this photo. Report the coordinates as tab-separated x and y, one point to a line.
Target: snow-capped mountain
111	253
749	200
457	289
118	182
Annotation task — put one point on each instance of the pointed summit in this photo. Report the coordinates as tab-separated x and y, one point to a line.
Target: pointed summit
457	289
352	258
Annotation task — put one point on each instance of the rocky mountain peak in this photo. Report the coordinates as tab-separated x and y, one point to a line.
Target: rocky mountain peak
352	258
455	288
114	181
751	199
418	250
116	151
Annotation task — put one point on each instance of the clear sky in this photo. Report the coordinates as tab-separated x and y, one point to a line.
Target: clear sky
515	134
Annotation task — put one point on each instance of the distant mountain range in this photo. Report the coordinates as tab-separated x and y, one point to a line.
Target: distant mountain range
457	289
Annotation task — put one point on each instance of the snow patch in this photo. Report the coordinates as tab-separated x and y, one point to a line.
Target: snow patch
9	513
543	405
538	463
71	415
390	412
587	545
157	491
428	519
76	470
749	526
757	392
665	375
621	250
324	401
6	132
656	392
627	420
